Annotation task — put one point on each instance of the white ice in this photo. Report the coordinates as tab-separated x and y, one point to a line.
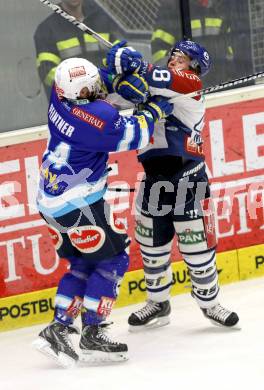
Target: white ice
190	353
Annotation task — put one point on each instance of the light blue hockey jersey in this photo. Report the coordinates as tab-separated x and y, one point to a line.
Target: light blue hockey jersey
74	166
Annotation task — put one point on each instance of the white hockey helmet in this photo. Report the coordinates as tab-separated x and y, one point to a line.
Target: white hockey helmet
73	74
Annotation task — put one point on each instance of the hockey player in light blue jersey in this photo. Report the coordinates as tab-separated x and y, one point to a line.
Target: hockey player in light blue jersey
84	128
175	170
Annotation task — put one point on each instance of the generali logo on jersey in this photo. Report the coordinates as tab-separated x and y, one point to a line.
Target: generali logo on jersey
88	118
78	71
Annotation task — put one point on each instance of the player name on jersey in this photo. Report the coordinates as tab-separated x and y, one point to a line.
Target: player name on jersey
63	126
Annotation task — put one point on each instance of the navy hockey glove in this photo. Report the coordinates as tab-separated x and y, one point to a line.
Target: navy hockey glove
131	87
159	107
122	59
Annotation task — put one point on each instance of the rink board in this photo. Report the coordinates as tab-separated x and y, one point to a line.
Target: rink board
37	307
234	150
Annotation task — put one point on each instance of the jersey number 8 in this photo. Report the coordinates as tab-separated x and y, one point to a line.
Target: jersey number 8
161	75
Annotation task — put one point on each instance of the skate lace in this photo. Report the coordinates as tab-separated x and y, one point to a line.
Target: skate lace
66	339
150	308
103	335
219	312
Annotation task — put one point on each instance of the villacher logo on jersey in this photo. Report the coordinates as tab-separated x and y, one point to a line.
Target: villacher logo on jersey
87	239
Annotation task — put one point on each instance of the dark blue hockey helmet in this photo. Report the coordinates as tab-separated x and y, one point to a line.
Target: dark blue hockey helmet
200	58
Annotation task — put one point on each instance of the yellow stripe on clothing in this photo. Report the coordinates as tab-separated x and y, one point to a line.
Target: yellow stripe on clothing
68	44
50	76
46	56
163	36
90	39
131	86
213	22
196	23
159	55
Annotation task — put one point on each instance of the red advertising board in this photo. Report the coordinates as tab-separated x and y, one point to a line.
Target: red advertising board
234	148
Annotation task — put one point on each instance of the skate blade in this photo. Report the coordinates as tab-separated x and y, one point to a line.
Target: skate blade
155	323
103	357
233	327
61	359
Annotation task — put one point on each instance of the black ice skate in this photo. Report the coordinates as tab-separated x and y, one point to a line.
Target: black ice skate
54	342
152	315
96	346
218	315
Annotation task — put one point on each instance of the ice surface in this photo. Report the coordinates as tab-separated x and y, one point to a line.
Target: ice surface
190	353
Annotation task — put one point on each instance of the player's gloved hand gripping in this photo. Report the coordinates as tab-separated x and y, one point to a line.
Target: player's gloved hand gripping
131	87
158	106
121	59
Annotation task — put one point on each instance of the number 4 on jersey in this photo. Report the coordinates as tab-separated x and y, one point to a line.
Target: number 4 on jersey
60	155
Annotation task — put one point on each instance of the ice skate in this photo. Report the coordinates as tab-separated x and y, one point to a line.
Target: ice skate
218	315
152	315
54	342
97	347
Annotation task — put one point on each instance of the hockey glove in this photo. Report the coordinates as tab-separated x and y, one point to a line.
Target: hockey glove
131	87
122	59
159	107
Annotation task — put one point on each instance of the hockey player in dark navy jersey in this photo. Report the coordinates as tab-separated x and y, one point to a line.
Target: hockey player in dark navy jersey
174	165
84	128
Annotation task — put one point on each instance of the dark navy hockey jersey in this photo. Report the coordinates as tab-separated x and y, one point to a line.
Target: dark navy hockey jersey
177	135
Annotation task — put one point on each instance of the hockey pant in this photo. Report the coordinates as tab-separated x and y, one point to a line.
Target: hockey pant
92	232
164	209
91	287
94	242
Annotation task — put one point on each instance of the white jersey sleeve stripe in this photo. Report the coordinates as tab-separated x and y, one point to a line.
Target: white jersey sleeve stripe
129	135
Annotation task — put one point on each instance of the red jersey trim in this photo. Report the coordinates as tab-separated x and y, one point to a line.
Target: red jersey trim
185	81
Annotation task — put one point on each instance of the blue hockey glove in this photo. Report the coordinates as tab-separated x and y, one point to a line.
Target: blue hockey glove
159	107
131	87
122	59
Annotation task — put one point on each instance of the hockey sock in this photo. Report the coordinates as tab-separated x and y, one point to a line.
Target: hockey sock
71	288
204	277
158	272
102	288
